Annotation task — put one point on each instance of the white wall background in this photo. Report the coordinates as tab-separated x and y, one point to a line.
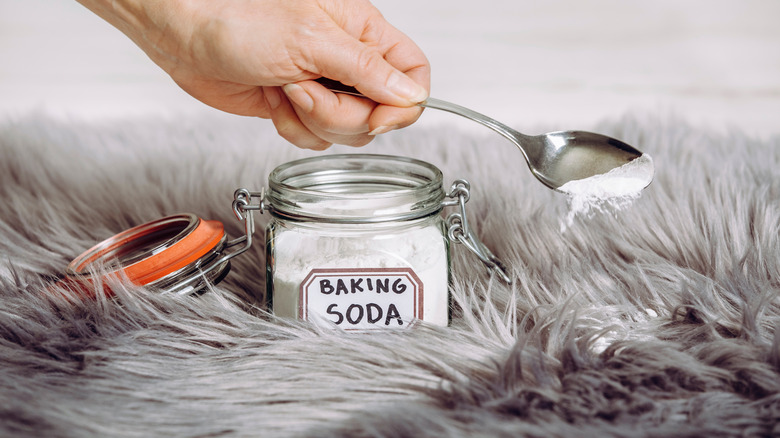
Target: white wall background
565	63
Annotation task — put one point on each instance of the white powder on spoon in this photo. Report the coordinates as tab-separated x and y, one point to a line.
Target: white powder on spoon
613	190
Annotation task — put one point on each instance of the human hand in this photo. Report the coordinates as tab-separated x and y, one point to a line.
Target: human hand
259	58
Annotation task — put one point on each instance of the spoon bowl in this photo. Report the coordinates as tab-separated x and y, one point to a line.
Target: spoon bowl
555	158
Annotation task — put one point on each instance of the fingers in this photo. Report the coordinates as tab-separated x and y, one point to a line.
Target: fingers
287	123
316	124
333	118
311	117
343	119
376	58
386	118
366	69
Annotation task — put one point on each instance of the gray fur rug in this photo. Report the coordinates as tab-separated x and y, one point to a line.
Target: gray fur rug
658	320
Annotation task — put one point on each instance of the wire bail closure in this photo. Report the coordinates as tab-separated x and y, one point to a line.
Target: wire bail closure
242	208
242	203
458	229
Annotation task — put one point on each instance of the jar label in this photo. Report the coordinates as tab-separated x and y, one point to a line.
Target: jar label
362	298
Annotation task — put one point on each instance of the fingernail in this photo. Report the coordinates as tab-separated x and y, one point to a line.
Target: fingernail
405	88
299	96
272	97
380	130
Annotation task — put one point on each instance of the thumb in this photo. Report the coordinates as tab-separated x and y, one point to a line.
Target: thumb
354	63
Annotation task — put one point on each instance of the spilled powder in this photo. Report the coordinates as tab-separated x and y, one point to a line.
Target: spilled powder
609	191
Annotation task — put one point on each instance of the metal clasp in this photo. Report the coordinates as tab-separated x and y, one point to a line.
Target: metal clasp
458	229
242	208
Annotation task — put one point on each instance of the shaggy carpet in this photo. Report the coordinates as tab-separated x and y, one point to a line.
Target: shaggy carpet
660	319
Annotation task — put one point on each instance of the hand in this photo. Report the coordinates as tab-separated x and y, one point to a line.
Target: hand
258	58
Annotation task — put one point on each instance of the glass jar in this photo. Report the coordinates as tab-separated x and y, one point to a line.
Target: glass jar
359	241
355	241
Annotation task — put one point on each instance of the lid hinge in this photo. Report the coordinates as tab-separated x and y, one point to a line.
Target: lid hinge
458	229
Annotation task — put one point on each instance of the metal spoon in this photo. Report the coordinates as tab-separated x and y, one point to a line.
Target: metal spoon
554	158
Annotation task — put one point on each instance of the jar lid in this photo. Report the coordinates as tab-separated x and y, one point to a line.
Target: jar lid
170	253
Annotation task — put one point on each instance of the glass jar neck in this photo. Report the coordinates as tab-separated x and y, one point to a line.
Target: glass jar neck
355	188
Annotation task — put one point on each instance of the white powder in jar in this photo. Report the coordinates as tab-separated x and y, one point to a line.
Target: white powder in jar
421	247
613	190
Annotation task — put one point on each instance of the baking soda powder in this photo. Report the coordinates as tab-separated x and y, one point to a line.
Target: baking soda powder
610	191
360	280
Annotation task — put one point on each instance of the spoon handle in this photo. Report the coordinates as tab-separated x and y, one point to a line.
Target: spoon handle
480	118
506	131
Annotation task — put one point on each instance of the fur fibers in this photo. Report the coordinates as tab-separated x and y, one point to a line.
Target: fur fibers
658	320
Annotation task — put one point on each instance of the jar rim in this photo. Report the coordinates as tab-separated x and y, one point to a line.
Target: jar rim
355	188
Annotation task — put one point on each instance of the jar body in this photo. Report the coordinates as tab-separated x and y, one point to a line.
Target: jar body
359	276
358	242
